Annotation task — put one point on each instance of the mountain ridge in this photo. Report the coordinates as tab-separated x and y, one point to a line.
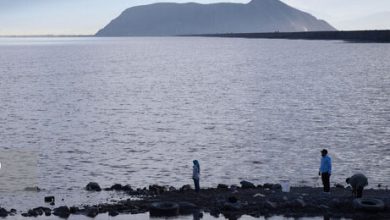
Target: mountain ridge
169	19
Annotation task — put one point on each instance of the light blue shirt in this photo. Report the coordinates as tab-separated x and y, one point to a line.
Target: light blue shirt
326	165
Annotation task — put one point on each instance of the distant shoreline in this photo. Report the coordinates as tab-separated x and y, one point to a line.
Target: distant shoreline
376	36
372	36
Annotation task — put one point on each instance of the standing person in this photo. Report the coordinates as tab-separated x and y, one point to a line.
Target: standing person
325	170
196	175
358	181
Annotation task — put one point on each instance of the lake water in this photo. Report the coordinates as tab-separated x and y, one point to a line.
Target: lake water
139	110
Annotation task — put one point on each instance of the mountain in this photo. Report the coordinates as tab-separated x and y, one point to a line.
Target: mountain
377	21
168	19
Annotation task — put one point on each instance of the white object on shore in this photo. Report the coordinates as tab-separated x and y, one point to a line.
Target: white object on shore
285	185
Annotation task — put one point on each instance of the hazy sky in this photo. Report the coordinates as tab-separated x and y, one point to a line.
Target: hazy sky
20	17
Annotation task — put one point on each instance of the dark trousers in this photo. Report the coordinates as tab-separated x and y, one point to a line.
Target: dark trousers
358	192
197	187
325	181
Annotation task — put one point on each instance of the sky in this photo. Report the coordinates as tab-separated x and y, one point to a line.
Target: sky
84	17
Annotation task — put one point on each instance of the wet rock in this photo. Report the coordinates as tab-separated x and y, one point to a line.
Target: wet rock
52	203
276	187
3	212
259	186
49	199
222	186
338	185
247	185
116	187
268	186
228	206
62	211
172	189
298	203
93	186
92	212
258	195
185	187
270	205
33	213
74	209
232	199
113	213
127	188
156	189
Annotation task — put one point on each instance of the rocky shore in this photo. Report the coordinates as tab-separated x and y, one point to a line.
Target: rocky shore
228	201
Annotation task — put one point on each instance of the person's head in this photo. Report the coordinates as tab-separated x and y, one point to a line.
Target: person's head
347	180
324	152
196	162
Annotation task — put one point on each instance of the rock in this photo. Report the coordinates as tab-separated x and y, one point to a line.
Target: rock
3	212
270	205
52	203
156	189
32	213
74	209
116	187
92	212
276	187
259	186
172	189
49	199
113	213
62	211
338	185
268	186
247	185
127	188
185	187
93	186
228	206
222	186
232	199
299	203
323	207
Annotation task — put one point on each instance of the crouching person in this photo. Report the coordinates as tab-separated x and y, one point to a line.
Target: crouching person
357	182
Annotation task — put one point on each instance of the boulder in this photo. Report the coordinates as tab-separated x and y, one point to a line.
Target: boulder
92	212
3	212
93	186
276	187
186	187
268	186
338	185
228	206
49	199
62	211
116	187
222	186
270	205
127	188
232	199
113	213
247	185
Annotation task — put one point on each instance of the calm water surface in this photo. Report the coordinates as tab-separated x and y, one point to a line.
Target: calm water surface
139	110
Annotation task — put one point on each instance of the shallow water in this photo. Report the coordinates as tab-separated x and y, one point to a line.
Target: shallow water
139	110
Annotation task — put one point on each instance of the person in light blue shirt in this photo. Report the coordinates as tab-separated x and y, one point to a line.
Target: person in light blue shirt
325	170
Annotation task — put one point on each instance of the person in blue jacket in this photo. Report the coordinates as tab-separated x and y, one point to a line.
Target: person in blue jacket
196	175
325	170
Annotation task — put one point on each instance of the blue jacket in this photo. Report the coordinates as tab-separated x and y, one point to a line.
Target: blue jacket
326	165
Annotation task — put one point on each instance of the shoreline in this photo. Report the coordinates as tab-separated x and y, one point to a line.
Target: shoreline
228	201
372	36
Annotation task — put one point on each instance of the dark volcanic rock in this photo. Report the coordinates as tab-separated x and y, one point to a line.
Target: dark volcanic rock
116	186
222	186
49	199
185	188
62	211
92	212
93	186
247	185
3	212
186	208
169	19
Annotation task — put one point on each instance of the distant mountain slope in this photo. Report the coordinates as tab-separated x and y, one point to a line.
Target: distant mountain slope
167	19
